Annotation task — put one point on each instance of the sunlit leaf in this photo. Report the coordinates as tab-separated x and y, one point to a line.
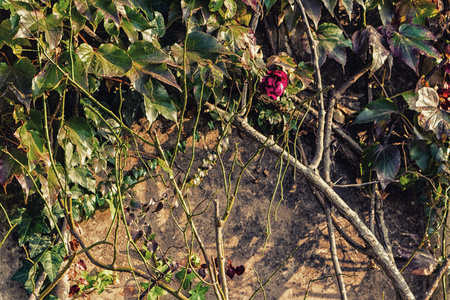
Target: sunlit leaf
215	5
409	42
332	43
378	111
134	23
9	169
348	5
108	60
198	293
432	116
72	65
149	61
189	8
154	293
51	183
31	20
159	103
17	79
187	278
329	4
7	33
53	29
109	9
51	260
252	3
231	8
48	79
201	42
384	160
79	132
211	76
145	6
86	8
418	11
34	144
83	177
156	31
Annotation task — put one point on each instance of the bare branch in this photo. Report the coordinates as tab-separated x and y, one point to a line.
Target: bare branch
315	58
313	178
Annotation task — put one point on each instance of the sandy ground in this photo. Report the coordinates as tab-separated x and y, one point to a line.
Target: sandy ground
299	221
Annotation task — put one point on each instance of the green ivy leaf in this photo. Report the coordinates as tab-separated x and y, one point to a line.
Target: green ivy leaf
384	160
108	9
83	177
145	6
7	33
330	4
134	23
332	43
50	183
409	41
108	60
34	145
17	79
313	9
157	29
159	103
231	9
29	225
72	65
9	168
187	280
155	291
432	116
215	5
199	292
51	260
201	42
47	80
371	37
419	150
53	28
31	20
79	132
378	111
163	103
269	4
86	8
26	275
38	243
149	61
211	76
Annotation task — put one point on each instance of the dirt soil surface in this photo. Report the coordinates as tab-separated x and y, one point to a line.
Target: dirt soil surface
298	221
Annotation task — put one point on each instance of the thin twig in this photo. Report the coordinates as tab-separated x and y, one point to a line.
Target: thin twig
333	250
220	251
321	107
384	232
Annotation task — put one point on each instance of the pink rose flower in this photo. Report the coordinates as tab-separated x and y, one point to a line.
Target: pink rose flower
274	83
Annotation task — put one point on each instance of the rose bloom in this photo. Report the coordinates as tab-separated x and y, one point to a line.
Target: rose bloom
274	83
